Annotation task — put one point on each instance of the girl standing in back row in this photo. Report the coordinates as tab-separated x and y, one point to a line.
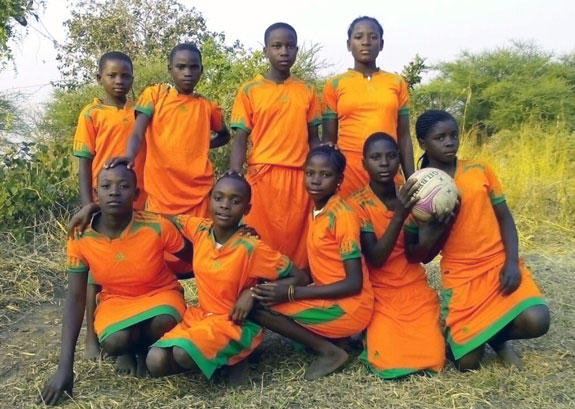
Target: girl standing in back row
365	100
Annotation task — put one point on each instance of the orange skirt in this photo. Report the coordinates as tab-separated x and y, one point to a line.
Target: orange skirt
280	209
115	313
355	176
404	335
212	340
326	317
476	311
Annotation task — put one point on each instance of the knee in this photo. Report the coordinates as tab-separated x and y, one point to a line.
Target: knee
157	361
536	321
182	358
117	343
160	325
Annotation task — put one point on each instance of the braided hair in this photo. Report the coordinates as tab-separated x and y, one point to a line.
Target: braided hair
424	124
332	153
364	18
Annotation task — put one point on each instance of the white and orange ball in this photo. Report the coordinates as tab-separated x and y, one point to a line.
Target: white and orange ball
437	193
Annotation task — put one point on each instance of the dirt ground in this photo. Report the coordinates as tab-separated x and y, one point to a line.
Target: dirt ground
30	334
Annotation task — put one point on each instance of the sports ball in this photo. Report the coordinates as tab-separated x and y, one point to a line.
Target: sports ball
437	193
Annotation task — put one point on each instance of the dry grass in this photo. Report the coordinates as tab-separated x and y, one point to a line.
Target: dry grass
539	194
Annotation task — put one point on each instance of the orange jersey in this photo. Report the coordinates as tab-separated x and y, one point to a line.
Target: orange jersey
132	264
102	133
375	218
178	172
364	106
222	273
276	116
332	238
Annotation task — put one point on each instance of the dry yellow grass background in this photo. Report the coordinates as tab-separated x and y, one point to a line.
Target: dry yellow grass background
538	172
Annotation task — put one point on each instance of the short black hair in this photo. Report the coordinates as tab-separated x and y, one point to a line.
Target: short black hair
364	18
376	137
276	26
425	123
113	55
333	154
236	176
184	46
121	165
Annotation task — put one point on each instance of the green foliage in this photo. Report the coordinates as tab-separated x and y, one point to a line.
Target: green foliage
34	177
413	71
503	88
14	12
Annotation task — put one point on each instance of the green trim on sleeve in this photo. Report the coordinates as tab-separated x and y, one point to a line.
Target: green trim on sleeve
355	252
148	110
240	125
495	200
285	271
411	228
403	111
315	122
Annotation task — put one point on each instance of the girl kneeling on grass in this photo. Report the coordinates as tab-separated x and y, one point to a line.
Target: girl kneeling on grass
226	263
340	301
141	298
404	335
489	296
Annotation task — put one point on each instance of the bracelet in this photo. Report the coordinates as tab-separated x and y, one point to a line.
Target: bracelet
291	293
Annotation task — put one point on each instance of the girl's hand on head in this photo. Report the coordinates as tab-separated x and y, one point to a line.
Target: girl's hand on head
269	294
81	220
242	307
118	160
509	278
61	381
407	199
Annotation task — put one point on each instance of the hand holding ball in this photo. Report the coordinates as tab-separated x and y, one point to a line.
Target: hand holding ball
436	191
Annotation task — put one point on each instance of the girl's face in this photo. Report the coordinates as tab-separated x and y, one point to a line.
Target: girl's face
116	190
229	203
441	142
381	161
365	42
281	49
321	178
116	78
186	70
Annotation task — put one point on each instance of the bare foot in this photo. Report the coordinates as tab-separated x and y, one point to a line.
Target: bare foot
93	350
326	363
141	367
238	374
507	355
126	365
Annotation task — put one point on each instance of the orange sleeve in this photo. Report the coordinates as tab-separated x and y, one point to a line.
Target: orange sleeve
75	262
85	137
329	100
268	264
171	236
346	230
189	226
242	114
216	117
403	97
147	101
494	186
314	110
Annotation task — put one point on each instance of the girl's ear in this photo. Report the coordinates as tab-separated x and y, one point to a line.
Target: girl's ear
248	208
136	194
99	78
348	45
381	45
421	143
95	192
363	163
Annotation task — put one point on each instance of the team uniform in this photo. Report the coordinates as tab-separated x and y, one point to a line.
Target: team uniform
102	133
136	283
276	117
472	258
222	272
362	107
332	238
404	335
178	172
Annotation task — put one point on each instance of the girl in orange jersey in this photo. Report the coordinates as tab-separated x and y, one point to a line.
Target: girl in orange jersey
177	125
104	127
215	333
280	115
489	296
365	100
141	298
340	301
404	335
